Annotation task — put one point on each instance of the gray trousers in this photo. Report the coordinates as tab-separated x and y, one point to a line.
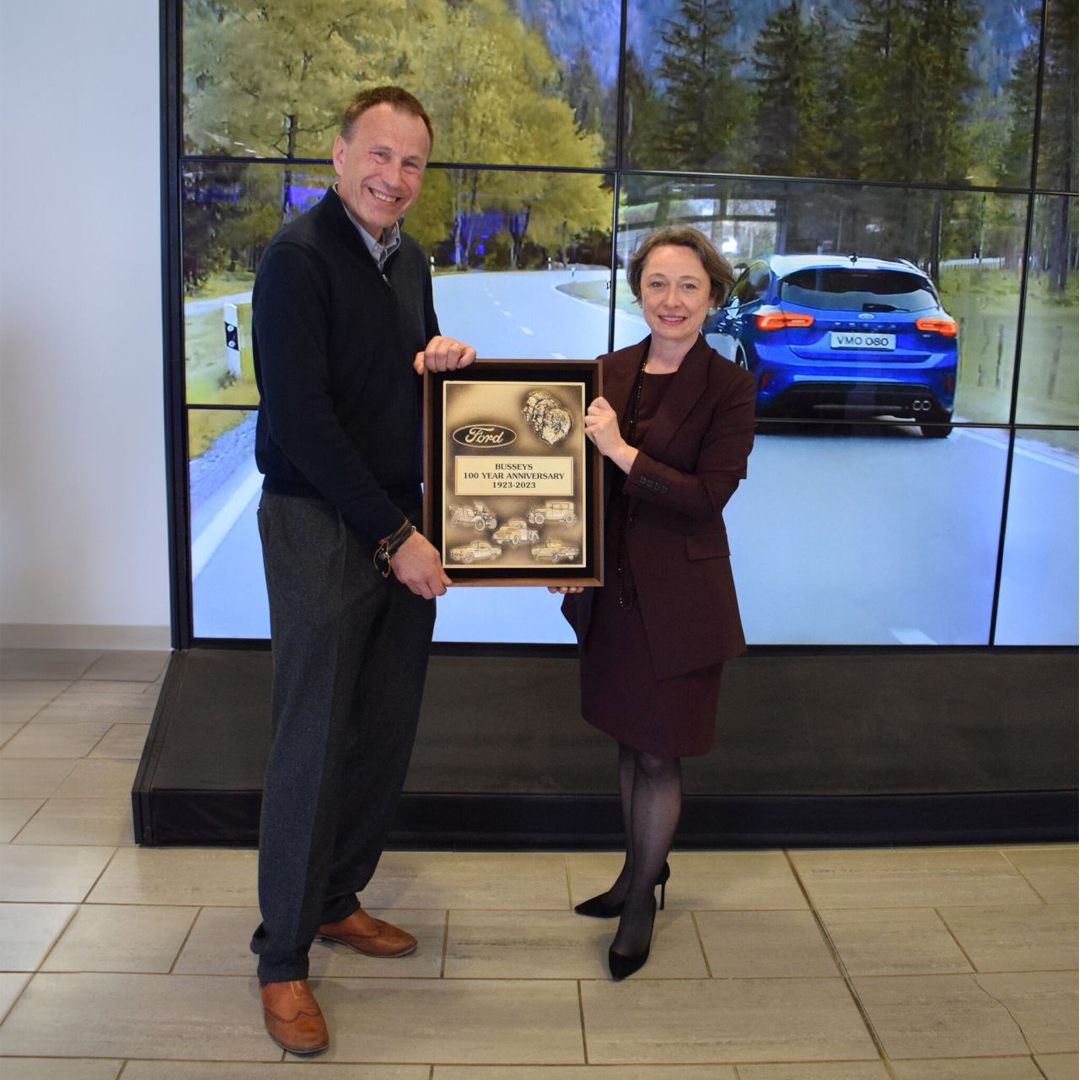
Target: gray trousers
350	652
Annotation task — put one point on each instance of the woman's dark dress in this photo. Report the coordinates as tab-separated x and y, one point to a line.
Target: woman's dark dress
620	693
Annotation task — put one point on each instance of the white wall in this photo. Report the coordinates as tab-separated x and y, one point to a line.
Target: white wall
83	537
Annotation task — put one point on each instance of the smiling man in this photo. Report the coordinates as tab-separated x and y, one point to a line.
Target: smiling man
343	325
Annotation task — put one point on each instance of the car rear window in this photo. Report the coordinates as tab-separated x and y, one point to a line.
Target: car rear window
838	288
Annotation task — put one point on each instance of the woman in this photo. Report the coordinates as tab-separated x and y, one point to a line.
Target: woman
676	426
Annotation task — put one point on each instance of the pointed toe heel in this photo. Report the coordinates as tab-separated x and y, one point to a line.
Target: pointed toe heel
621	967
599	908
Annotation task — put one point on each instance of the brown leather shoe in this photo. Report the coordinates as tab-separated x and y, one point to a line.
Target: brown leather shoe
293	1018
364	934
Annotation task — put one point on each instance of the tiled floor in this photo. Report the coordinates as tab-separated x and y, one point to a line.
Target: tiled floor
939	964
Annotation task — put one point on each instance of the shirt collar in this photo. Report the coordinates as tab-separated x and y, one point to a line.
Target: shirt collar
381	250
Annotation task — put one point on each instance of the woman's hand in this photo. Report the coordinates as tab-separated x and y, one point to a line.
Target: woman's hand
602	430
564	589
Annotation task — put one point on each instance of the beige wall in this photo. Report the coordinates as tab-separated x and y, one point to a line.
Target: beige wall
83	538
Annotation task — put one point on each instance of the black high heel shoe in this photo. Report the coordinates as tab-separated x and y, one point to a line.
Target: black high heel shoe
599	908
620	965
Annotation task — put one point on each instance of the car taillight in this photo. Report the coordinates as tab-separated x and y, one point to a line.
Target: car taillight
944	327
777	320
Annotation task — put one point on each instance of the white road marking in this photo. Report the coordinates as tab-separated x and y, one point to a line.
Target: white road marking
209	540
912	637
525	330
1002	443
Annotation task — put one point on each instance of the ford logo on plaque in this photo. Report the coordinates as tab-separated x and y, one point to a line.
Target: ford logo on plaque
479	435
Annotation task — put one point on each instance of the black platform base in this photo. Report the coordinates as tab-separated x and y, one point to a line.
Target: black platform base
826	747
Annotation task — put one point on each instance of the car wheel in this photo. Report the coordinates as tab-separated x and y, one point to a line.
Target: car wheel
571	519
478	525
941	430
536	519
468	556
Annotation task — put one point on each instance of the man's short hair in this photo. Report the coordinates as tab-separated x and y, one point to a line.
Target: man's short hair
716	266
394	96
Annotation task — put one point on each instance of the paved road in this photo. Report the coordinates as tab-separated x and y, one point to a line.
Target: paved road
840	537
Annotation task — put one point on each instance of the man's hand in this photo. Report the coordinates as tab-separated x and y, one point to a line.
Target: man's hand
417	566
444	354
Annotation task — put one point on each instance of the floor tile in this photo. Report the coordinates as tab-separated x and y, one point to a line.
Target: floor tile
831	1070
455	1021
50	664
1059	1066
1019	938
739	880
1043	1003
98	780
136	665
121	938
19	701
585	1072
9	730
743	1020
1051	871
50	875
60	1069
25	779
14	814
193	877
561	945
894	942
764	944
939	1016
55	740
10	987
82	821
111	708
913	878
444	879
1016	1068
291	1070
27	931
122	741
219	945
91	689
160	1016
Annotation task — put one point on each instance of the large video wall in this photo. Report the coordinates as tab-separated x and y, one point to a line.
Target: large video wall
939	139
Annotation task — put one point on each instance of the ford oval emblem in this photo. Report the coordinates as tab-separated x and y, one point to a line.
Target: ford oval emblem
480	435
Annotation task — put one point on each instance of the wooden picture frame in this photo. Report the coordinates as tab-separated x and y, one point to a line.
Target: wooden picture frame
513	491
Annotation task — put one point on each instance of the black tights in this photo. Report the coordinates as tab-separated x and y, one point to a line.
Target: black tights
651	791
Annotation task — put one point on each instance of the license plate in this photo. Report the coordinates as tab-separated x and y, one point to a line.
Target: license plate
846	339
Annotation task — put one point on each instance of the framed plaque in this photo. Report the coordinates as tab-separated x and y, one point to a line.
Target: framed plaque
512	488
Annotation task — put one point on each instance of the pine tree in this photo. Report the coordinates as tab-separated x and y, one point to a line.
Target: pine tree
1057	135
792	134
909	76
704	105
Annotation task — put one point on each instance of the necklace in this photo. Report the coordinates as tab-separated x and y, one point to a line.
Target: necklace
627	593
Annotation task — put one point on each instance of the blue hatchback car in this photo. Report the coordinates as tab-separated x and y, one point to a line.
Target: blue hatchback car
843	335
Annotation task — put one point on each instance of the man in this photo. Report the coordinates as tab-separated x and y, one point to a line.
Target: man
343	324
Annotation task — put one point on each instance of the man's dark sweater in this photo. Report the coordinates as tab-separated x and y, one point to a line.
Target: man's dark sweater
334	341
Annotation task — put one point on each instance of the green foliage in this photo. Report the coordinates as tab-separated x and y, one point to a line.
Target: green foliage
272	77
793	135
909	78
704	116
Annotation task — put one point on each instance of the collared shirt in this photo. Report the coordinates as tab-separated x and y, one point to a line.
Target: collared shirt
381	250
